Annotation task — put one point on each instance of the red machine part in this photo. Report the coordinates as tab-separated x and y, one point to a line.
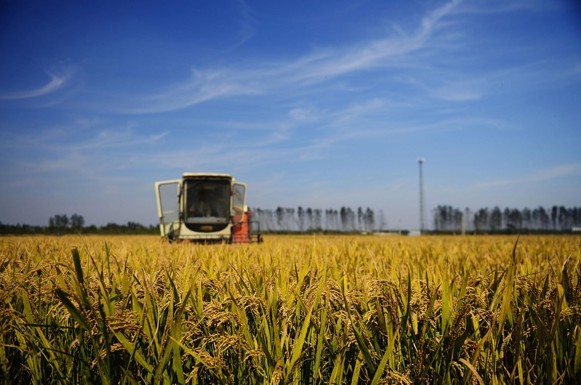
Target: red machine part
241	231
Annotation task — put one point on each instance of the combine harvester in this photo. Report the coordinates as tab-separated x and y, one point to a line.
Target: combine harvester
205	208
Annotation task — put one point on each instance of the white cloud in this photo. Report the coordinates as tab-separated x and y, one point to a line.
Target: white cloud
82	135
542	175
56	82
504	6
301	114
374	53
430	22
457	93
116	138
73	161
245	23
311	69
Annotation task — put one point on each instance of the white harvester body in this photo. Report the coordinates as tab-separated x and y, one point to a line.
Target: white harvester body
204	207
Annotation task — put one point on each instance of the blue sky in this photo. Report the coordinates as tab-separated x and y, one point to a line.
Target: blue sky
320	104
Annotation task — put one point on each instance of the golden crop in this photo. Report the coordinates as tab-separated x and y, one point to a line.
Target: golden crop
296	309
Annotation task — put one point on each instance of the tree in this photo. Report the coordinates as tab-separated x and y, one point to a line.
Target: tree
309	218
301	215
329	219
496	218
290	218
526	218
481	219
466	219
554	214
544	218
576	216
360	220
369	219
318	219
58	222
77	221
438	218
515	219
382	221
344	218
279	217
457	216
352	218
563	218
506	218
332	219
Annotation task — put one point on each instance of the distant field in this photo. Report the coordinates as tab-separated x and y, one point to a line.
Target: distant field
296	309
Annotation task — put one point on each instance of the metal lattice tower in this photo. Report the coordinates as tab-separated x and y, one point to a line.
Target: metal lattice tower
422	219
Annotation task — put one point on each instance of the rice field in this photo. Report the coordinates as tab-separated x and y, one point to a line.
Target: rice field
294	310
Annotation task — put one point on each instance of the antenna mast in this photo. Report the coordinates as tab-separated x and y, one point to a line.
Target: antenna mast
422	219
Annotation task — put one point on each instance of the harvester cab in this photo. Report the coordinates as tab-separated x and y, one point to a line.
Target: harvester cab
207	208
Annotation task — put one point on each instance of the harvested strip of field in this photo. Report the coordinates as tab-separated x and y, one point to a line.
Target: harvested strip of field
311	309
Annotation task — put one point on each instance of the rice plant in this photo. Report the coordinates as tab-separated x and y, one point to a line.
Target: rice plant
295	310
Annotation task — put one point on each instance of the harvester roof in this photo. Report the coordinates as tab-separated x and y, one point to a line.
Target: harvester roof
205	174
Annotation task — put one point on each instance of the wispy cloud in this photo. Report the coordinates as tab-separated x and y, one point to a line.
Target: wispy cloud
64	162
503	6
246	22
86	149
112	138
542	175
203	86
458	92
448	85
99	135
311	69
56	82
385	51
402	50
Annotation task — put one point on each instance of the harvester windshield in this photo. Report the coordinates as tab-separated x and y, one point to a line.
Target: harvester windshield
207	204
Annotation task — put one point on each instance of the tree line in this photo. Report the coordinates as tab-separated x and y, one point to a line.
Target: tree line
307	219
446	218
63	224
556	218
